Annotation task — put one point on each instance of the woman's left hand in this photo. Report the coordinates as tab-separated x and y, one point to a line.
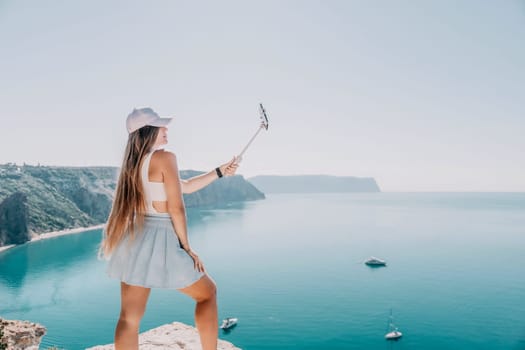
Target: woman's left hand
197	263
229	169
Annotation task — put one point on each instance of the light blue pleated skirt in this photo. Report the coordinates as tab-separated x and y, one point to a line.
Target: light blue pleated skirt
154	258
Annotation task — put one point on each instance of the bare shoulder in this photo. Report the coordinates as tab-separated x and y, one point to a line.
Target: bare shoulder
164	157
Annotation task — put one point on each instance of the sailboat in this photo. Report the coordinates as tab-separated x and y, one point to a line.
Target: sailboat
375	262
393	332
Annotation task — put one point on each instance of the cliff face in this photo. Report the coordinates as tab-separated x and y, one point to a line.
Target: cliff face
37	199
314	184
55	198
90	189
14	219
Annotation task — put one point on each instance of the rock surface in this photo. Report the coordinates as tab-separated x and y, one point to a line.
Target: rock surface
13	219
173	336
21	335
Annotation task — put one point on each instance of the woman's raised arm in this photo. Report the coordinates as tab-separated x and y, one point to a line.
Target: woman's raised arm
200	181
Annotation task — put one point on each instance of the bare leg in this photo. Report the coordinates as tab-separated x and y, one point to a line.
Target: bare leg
204	292
133	304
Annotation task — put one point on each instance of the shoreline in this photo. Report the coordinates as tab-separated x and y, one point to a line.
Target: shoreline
46	235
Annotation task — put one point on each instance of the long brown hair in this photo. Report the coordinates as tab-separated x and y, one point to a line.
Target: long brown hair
127	211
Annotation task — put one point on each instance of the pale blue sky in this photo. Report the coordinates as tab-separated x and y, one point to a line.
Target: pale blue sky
422	96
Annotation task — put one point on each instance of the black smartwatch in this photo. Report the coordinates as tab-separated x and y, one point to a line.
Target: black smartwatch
218	171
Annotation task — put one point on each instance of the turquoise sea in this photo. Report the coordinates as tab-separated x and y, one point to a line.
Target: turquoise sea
291	269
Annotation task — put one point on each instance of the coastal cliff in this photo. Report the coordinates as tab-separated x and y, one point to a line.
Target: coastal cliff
14	219
228	189
39	199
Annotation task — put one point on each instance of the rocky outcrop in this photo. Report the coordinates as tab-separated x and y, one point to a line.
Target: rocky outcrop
176	336
20	335
14	220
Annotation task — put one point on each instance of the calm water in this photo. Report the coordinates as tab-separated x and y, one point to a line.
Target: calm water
290	268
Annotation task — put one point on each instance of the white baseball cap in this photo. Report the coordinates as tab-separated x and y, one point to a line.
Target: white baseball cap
145	116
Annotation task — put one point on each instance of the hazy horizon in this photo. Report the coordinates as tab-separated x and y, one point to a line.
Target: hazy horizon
422	97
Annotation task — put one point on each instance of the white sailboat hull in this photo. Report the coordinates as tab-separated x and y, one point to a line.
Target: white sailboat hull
393	335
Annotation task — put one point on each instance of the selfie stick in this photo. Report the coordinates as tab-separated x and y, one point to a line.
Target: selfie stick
264	125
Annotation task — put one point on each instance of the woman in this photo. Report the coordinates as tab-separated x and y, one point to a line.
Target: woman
146	238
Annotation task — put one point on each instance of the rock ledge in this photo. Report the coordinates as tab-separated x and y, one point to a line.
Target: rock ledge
173	336
21	335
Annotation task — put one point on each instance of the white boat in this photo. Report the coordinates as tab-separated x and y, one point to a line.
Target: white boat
393	332
393	335
228	323
373	261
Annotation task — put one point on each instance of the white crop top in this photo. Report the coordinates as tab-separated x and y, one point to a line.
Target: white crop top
153	191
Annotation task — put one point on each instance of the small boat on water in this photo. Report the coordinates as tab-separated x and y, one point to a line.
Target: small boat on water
393	332
228	323
373	261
